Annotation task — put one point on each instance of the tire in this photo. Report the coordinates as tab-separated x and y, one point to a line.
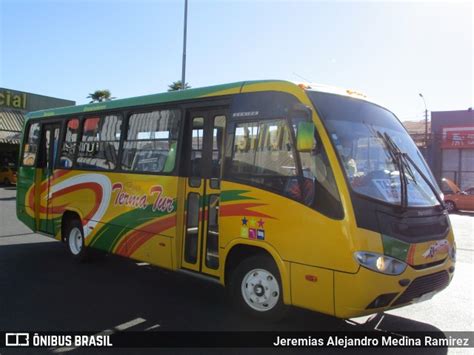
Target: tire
255	289
6	182
450	206
74	237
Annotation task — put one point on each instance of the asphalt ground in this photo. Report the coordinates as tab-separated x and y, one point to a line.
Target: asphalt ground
43	289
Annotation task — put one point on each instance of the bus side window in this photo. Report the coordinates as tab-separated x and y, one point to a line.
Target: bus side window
263	154
100	142
243	156
30	148
217	144
69	145
197	146
151	141
318	185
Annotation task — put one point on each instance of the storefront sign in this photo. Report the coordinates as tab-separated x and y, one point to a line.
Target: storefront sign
12	99
458	137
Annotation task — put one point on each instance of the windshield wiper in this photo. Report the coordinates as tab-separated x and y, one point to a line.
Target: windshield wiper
397	158
427	180
404	163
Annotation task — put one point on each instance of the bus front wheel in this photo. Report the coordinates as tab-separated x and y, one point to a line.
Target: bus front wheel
255	288
75	240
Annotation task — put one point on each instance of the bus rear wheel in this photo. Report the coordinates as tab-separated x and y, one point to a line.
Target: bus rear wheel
255	288
75	240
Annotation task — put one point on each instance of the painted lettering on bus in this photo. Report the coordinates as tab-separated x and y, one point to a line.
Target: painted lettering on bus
123	198
161	202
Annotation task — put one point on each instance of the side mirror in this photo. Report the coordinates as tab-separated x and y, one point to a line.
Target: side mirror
305	137
304	128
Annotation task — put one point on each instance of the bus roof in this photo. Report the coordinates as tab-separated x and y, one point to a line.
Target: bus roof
189	94
171	96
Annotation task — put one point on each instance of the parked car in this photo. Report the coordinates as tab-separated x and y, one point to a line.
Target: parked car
7	175
455	198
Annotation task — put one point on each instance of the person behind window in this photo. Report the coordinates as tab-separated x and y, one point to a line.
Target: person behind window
345	148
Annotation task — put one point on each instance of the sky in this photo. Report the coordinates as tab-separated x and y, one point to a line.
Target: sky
390	51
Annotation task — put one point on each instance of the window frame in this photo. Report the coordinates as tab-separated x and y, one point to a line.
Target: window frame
182	106
125	114
82	119
289	122
125	125
26	132
237	177
64	122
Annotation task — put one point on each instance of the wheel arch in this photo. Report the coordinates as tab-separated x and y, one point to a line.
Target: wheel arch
68	215
237	250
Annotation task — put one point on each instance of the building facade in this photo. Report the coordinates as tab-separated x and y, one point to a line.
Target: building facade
14	105
452	146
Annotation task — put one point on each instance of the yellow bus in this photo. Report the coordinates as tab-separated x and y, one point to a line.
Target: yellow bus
285	194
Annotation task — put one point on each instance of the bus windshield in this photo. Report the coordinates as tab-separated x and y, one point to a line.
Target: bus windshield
364	135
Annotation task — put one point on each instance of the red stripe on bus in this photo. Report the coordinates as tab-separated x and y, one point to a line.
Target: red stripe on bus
242	209
137	238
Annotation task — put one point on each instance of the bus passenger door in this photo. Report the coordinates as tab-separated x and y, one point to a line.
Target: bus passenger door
204	154
48	154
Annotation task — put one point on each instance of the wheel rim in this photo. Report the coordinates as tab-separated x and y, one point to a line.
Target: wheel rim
75	241
260	290
450	206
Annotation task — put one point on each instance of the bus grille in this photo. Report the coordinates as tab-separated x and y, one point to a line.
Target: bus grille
422	285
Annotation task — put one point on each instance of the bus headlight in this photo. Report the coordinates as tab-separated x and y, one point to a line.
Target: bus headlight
380	263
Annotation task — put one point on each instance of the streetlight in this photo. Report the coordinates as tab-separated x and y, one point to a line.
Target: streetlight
426	121
183	70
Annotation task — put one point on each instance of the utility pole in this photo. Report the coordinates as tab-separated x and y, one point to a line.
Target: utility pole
426	122
183	70
426	128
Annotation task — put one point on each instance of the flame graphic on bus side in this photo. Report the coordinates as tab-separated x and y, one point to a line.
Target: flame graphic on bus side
99	184
48	207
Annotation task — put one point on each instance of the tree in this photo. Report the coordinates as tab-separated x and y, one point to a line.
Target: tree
100	96
177	86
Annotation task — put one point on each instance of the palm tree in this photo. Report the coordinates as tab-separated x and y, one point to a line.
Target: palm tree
100	96
177	85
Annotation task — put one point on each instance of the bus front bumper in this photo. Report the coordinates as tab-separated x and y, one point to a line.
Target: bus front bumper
367	291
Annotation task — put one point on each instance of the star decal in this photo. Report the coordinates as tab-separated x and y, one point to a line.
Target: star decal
244	221
260	223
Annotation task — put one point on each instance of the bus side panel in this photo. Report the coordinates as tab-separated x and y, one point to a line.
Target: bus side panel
25	203
298	233
133	215
156	250
312	243
177	246
312	288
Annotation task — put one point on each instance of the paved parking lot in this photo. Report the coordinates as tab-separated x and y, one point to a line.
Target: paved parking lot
42	288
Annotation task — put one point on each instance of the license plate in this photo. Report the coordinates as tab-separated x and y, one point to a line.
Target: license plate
425	297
